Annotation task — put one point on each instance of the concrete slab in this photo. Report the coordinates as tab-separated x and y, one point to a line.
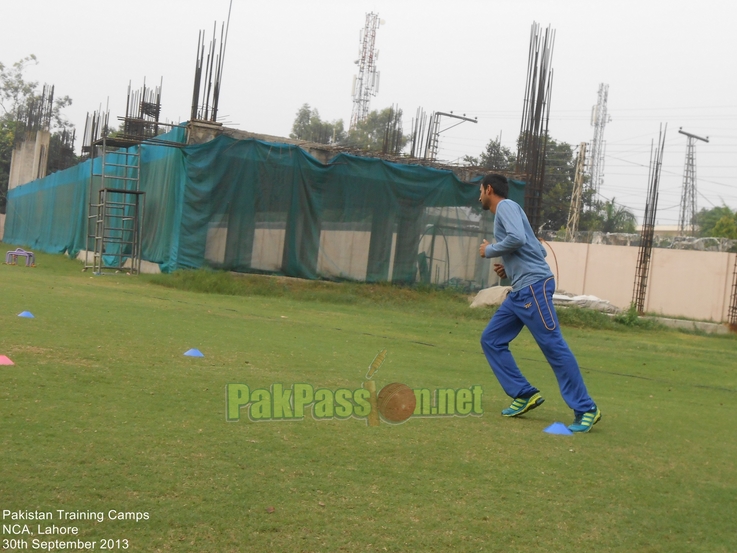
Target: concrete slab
709	328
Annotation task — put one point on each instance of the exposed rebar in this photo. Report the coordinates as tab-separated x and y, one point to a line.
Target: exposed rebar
644	253
535	116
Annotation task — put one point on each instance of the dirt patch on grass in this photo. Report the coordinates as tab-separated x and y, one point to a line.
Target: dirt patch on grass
30	349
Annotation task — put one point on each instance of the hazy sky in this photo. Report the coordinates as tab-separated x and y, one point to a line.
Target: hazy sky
665	62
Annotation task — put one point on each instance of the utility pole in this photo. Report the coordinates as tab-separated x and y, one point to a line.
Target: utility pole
599	119
575	210
433	135
366	83
687	218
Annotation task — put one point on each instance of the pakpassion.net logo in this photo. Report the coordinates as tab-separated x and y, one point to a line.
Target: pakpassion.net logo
395	403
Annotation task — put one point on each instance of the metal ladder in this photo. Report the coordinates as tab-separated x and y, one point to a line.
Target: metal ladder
115	209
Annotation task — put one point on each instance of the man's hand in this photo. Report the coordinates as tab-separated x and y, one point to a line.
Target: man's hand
499	270
482	248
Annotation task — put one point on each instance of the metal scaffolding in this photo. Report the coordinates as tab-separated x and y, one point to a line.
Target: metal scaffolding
115	205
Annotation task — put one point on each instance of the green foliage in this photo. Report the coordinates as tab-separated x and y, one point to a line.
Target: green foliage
494	158
726	227
16	94
7	140
718	222
560	169
14	89
308	126
379	132
616	218
631	318
578	317
61	153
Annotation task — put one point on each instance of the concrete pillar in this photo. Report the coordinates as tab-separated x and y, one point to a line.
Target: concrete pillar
29	160
199	132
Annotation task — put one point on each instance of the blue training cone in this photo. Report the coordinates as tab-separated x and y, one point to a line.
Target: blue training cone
193	353
27	315
558	428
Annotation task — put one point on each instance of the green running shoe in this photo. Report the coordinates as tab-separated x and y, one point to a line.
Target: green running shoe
522	405
585	421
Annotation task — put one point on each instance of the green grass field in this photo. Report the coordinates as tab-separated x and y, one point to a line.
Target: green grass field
102	411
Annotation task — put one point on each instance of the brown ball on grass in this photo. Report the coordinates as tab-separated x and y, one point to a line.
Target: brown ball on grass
396	402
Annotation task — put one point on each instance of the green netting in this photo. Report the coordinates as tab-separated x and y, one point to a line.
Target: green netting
253	206
50	214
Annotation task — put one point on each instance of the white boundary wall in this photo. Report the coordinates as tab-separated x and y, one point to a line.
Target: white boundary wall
682	283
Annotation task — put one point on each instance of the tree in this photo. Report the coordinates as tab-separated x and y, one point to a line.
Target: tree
14	90
7	135
494	158
616	218
16	96
308	126
378	132
61	152
560	170
716	221
726	227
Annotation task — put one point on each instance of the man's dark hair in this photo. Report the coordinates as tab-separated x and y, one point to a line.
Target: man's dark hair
498	183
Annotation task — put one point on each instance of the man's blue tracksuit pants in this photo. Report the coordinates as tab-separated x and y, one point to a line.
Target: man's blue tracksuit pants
532	307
